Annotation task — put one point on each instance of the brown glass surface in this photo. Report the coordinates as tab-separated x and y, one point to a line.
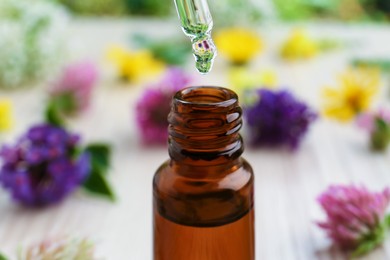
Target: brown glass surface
203	195
231	241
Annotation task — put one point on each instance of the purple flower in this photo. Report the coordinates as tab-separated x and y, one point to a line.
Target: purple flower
74	87
277	118
43	168
355	216
153	107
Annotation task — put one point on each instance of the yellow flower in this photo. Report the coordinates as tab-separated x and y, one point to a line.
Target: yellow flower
241	79
299	46
239	45
6	120
354	95
134	66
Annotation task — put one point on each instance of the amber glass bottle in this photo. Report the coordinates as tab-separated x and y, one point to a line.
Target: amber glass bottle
203	195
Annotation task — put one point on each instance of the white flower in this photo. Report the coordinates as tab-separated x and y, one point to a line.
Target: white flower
60	249
31	40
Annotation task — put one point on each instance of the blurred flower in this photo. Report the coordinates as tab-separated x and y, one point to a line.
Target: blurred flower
31	40
238	45
377	124
154	106
44	166
96	7
352	9
172	51
72	91
380	63
354	95
242	79
367	120
60	249
244	12
299	10
355	217
299	46
148	7
6	120
277	118
134	66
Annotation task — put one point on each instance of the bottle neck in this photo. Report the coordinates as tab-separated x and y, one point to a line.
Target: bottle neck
204	126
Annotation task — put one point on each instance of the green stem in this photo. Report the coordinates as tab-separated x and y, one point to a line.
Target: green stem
372	240
387	220
52	114
2	257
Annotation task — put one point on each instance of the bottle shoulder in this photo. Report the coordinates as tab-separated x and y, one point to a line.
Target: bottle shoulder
171	177
201	196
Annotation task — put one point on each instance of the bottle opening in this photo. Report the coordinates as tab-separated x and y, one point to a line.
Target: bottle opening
204	124
206	96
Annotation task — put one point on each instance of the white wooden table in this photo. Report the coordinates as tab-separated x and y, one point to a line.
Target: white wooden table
287	184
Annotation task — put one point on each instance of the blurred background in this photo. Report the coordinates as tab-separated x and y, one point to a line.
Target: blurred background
107	69
343	10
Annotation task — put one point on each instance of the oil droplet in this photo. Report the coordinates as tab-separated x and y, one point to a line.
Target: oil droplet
204	51
197	23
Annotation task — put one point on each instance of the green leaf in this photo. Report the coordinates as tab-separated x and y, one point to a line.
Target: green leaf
100	155
148	7
364	248
380	137
97	184
172	51
60	106
381	124
329	44
383	64
65	103
2	257
141	40
371	240
100	163
173	54
387	220
53	116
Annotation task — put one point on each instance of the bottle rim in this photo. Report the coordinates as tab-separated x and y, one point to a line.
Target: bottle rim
216	97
